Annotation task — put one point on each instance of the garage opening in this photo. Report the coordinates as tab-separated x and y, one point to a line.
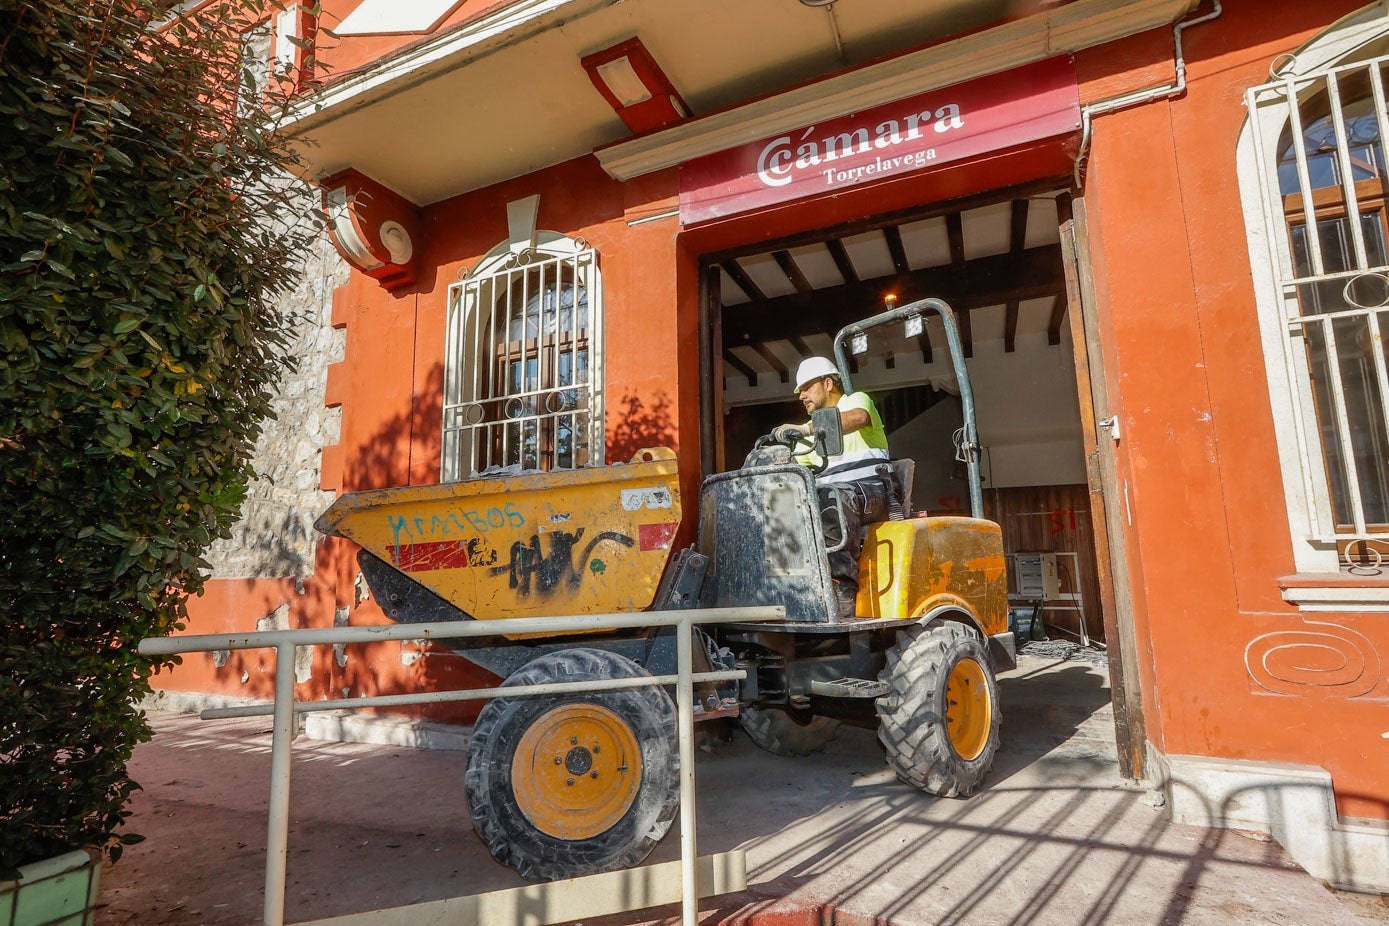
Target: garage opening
998	262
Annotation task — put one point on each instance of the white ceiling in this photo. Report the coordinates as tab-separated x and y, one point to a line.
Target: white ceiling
985	231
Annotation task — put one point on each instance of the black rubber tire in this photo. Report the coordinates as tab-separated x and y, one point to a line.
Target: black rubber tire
912	715
513	839
782	733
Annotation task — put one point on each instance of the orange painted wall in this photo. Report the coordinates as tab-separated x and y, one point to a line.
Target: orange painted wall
1208	536
341	55
389	386
1201	494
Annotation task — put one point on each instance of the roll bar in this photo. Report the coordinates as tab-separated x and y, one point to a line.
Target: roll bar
968	445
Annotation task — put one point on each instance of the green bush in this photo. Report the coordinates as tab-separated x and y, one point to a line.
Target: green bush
145	238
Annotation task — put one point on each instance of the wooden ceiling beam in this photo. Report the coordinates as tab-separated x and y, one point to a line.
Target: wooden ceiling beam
955	231
731	359
1058	314
1010	327
896	249
740	276
966	333
1017	237
1039	188
841	260
993	280
923	341
788	266
776	363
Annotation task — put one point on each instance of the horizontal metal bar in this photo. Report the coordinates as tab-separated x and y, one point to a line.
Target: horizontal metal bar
445	630
1300	320
567	901
1368	534
468	694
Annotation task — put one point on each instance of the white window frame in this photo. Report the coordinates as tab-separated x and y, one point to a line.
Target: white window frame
1305	482
477	408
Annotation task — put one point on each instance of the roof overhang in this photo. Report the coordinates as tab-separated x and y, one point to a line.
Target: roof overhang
1060	30
505	94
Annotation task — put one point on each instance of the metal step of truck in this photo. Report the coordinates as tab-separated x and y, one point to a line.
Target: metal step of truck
849	688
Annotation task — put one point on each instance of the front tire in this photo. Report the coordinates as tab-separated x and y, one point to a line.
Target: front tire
939	720
577	783
784	734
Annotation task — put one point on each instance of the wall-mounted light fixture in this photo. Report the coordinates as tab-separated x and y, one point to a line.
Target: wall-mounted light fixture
635	86
376	229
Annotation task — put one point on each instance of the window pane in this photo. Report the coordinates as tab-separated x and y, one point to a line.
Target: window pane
1364	422
549	306
1364	414
518	383
1337	257
1319	136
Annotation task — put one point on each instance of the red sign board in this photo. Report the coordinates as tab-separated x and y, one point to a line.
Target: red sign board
1014	107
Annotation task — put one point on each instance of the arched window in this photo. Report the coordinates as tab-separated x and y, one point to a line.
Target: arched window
521	391
1318	131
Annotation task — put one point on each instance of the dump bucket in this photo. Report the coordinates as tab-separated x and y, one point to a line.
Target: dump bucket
588	541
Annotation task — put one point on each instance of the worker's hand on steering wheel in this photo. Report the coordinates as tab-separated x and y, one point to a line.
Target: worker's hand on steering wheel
790	434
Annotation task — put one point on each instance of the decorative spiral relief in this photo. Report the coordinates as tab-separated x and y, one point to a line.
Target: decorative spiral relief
1335	660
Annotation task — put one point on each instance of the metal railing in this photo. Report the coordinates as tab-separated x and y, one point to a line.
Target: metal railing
285	643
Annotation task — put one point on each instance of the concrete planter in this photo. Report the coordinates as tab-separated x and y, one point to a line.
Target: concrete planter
58	891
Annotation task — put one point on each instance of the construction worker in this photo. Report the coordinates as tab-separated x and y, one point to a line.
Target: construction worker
852	475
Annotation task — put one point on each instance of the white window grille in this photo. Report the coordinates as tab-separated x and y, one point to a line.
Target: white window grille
1319	150
523	366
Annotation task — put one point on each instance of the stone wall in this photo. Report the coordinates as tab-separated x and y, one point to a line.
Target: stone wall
275	536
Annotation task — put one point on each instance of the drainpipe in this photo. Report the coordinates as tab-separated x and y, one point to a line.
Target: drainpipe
1140	97
828	6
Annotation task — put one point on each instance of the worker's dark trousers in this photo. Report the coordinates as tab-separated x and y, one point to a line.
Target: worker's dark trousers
864	502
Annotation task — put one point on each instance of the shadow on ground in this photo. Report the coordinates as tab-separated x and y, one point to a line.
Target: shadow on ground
1055	837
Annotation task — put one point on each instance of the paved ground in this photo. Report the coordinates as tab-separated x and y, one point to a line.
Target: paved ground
1055	838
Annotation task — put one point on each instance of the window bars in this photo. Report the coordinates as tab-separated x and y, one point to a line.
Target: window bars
1321	163
523	367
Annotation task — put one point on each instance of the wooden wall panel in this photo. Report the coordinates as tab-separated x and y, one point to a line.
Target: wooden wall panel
1044	519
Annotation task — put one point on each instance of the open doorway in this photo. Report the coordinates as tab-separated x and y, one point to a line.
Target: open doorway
997	260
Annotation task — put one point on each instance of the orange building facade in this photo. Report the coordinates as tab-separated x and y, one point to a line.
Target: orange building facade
1182	394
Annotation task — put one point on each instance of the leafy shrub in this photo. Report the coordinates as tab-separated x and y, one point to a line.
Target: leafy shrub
145	236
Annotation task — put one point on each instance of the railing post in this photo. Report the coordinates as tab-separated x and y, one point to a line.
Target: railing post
277	836
689	852
285	643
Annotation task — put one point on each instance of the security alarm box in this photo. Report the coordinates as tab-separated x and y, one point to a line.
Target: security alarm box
1035	576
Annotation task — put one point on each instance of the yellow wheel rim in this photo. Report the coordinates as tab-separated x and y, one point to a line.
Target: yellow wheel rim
576	771
969	710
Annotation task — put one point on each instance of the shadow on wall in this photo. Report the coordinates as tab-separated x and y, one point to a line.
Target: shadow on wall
638	426
270	542
403	450
384	460
1292	804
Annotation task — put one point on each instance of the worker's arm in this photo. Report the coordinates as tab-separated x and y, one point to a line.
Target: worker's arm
850	420
854	419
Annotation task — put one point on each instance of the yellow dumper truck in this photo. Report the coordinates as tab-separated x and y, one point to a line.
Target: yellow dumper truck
566	785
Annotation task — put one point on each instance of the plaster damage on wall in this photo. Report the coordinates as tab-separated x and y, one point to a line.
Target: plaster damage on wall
303	655
340	619
275	537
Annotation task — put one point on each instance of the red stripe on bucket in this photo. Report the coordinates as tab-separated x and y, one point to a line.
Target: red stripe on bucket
426	557
656	536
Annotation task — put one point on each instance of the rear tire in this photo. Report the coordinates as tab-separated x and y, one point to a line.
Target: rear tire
578	783
781	733
939	720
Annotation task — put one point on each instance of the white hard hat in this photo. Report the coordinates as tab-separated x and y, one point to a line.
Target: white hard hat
814	368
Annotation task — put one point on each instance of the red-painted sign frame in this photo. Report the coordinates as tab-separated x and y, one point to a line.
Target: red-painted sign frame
1027	104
